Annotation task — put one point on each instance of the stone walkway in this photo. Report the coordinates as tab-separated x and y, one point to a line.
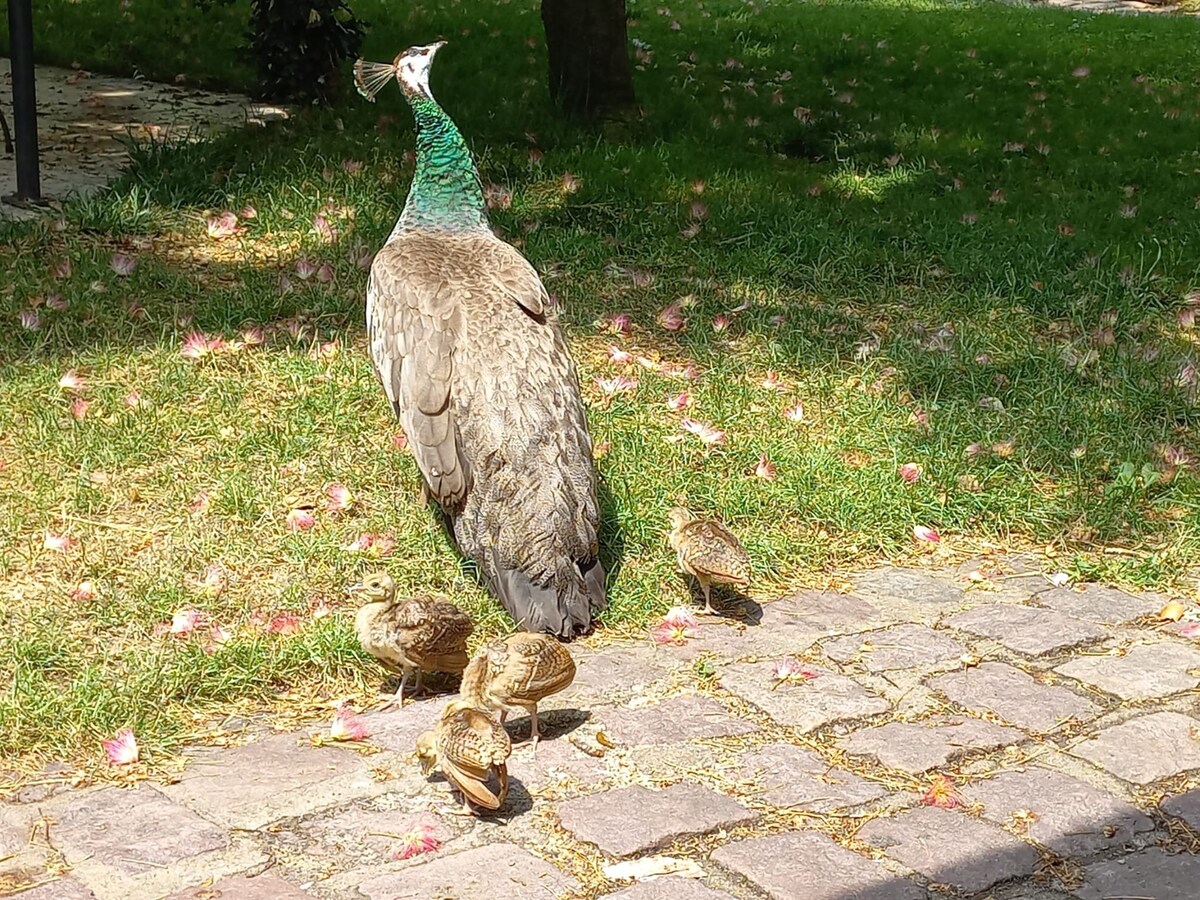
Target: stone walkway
85	122
971	733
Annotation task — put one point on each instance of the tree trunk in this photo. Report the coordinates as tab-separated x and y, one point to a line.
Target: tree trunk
587	44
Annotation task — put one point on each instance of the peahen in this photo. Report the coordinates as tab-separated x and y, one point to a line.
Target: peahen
471	355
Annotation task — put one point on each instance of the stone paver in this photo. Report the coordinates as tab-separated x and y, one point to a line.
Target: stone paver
684	718
1146	748
1026	629
398	729
59	889
900	647
239	887
1147	670
556	762
634	819
789	625
918	747
672	887
1064	814
1099	604
1149	875
132	831
366	833
1184	806
886	585
950	848
787	775
494	872
269	779
605	676
806	705
327	820
1014	696
805	865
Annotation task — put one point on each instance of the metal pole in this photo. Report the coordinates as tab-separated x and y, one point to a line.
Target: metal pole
20	38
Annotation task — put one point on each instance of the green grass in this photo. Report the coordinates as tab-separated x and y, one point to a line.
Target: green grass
922	316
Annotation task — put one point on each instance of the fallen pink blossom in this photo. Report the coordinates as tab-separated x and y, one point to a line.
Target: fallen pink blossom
122	748
925	533
83	592
679	401
421	839
765	469
706	433
284	623
222	226
346	726
617	385
794	413
59	543
339	497
301	519
910	472
123	264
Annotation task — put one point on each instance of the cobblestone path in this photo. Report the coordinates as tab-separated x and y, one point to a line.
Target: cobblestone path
978	732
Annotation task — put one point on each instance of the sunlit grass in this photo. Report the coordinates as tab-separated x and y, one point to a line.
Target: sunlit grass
961	237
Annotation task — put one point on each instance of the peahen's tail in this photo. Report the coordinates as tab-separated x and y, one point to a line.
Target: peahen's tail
564	607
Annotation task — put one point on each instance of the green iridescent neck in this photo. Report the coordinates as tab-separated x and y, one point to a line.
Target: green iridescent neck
445	192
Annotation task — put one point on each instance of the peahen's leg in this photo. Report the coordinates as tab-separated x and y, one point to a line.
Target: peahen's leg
398	698
708	607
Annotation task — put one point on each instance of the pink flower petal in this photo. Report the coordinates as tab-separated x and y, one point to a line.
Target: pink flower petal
79	408
720	323
400	441
72	381
706	433
301	519
765	469
681	617
671	318
59	543
620	384
618	323
420	839
222	225
339	497
910	472
305	268
925	533
794	413
346	726
1190	630
772	382
283	623
619	357
83	592
184	622
667	633
123	264
791	669
30	320
679	401
122	748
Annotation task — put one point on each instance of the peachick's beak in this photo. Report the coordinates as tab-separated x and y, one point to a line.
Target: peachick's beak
436	46
355	588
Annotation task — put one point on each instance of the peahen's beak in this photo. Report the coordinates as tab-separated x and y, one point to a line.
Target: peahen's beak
356	588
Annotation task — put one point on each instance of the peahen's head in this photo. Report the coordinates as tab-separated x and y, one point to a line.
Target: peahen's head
410	68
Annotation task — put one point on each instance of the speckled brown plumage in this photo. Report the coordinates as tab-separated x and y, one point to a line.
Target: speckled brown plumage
472	357
471	748
708	551
518	672
408	634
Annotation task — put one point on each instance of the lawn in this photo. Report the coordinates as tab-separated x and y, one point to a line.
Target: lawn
922	264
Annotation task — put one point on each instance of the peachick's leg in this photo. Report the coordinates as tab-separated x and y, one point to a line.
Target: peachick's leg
533	728
417	689
708	607
398	698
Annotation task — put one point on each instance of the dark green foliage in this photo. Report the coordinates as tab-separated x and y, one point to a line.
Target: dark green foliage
299	47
